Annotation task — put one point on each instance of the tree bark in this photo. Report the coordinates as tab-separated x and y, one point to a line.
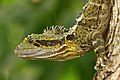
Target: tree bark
109	69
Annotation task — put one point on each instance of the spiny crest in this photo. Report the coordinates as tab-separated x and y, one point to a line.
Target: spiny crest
55	30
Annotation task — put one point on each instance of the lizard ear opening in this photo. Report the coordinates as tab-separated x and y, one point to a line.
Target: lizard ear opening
70	37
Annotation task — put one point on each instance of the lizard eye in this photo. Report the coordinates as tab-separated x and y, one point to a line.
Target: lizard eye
30	40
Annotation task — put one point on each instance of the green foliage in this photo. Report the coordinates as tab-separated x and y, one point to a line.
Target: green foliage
18	18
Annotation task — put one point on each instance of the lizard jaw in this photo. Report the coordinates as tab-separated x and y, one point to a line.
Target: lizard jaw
34	53
60	54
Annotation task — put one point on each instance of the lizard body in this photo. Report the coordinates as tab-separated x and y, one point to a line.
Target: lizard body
60	44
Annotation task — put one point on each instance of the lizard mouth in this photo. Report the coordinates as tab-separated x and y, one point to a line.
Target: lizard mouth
60	54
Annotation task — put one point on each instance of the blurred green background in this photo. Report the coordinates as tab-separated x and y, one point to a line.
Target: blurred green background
18	18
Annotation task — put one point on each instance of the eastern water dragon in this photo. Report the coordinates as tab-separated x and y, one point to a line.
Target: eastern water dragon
60	44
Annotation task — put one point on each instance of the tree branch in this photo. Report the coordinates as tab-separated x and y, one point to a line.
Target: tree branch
109	69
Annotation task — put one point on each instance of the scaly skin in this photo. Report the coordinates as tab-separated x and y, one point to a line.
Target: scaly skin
60	44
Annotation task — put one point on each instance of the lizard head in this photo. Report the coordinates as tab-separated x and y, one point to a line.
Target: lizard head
54	44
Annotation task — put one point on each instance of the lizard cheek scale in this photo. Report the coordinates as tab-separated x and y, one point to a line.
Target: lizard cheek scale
61	44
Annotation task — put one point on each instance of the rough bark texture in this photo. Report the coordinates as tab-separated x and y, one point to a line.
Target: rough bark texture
109	69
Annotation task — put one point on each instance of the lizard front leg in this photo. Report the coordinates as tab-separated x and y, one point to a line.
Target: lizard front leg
98	43
99	48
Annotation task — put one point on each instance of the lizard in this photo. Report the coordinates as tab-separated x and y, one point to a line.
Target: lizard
58	43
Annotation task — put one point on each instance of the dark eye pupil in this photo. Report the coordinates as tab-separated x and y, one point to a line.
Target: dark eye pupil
30	40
